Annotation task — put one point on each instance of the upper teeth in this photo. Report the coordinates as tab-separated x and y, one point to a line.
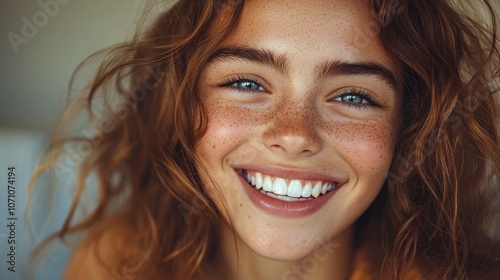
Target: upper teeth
294	188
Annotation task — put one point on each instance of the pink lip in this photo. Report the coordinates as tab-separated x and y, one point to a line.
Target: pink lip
287	209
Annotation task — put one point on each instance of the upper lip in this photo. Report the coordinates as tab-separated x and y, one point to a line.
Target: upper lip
288	172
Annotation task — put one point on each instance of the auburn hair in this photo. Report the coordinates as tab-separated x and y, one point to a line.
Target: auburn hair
147	116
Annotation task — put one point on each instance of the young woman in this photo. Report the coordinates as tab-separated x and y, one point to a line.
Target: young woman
325	139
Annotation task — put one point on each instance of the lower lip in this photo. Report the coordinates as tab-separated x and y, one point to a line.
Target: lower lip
287	209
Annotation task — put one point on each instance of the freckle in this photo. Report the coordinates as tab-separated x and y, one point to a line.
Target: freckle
241	205
249	217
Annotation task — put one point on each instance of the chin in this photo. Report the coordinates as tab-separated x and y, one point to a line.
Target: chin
289	243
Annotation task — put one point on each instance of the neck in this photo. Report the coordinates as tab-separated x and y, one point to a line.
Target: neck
235	260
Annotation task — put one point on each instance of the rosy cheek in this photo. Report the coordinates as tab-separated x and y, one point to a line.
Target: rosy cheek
227	126
367	147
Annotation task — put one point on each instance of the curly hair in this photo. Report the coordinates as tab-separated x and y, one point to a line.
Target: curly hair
436	211
144	106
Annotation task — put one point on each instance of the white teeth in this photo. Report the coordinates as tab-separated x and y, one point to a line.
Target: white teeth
316	190
267	184
295	188
307	190
284	197
324	188
258	180
279	186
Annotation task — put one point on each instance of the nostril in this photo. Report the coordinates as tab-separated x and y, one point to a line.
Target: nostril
291	150
278	148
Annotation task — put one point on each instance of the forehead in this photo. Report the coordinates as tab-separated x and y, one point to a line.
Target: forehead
327	29
306	15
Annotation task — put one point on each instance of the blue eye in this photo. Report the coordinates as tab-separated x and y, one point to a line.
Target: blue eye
243	83
357	98
352	99
247	85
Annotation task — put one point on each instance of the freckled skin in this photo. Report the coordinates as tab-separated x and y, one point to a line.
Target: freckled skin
297	121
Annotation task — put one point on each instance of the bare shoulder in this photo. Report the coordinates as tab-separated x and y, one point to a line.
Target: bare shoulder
94	259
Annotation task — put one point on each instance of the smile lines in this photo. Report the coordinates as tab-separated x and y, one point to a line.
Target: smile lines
290	190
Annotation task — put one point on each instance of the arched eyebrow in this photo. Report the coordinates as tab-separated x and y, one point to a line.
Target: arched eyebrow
337	67
326	69
260	56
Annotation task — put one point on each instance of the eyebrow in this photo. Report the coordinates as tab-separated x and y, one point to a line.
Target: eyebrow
326	69
261	56
337	67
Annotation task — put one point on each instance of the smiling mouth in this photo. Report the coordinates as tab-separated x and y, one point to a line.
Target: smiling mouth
287	189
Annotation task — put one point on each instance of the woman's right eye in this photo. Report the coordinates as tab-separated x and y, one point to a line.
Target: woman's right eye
243	84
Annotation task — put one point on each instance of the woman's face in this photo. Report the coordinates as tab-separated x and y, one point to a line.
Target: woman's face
302	116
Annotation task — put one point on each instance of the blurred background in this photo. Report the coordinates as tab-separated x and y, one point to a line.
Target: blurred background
41	44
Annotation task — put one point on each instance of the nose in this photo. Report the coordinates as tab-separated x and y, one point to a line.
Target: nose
292	131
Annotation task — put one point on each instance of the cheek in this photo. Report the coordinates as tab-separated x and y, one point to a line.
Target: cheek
227	127
367	147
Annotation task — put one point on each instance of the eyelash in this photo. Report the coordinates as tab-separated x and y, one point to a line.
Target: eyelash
238	79
370	101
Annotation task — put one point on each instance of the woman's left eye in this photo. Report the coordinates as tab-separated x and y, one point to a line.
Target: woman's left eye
357	98
352	99
247	85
